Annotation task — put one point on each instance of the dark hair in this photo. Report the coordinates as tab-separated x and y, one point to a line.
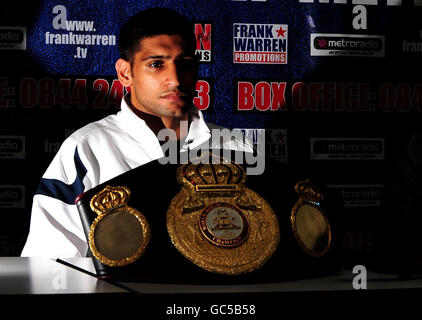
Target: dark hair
151	22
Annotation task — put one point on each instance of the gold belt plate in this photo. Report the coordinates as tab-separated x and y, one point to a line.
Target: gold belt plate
119	234
219	224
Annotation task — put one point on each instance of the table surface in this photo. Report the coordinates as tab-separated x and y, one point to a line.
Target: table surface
343	281
48	276
28	276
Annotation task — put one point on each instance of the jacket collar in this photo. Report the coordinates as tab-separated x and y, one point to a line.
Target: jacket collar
137	128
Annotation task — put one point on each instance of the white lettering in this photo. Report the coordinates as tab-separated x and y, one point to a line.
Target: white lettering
80	39
360	21
60	279
80	26
394	2
175	309
225	139
360	280
59	21
365	2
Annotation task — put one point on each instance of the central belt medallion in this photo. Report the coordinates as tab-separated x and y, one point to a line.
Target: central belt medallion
216	222
224	225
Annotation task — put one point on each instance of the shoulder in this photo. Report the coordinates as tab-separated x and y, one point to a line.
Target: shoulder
96	128
70	151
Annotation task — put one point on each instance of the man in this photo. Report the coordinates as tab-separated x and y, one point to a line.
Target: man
159	68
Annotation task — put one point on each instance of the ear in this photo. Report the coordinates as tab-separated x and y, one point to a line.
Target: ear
123	72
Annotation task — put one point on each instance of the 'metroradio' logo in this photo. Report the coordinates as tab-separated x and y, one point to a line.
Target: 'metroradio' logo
12	147
12	38
12	196
326	44
347	149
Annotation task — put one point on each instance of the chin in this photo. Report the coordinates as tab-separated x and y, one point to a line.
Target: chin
177	111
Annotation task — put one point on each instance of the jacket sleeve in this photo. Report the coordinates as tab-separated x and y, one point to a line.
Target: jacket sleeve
56	230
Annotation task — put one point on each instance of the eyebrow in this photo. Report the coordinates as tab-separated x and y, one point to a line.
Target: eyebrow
152	57
155	57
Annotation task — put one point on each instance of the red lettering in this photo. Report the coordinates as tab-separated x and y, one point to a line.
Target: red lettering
328	96
350	93
366	241
403	97
245	99
417	97
28	96
262	96
315	95
202	101
3	91
79	93
102	86
351	241
339	104
279	100
203	38
63	93
363	97
116	94
46	93
386	97
300	96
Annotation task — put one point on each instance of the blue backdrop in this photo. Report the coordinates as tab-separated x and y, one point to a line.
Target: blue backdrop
335	84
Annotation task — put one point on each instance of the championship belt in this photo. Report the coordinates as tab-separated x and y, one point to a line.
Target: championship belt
219	224
119	234
310	225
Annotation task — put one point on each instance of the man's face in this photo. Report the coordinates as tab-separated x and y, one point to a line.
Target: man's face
163	76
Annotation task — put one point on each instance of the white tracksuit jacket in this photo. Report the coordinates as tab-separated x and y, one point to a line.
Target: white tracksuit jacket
92	155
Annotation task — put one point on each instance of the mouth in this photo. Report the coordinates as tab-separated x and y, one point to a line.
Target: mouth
174	96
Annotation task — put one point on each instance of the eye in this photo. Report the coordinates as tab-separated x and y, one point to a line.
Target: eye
156	64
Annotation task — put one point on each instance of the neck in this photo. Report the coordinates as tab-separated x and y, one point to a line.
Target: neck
175	124
156	123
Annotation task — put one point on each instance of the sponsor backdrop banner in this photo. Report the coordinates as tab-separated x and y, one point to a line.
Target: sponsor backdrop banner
335	84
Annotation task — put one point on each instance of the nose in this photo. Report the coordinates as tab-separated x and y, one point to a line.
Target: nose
172	76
